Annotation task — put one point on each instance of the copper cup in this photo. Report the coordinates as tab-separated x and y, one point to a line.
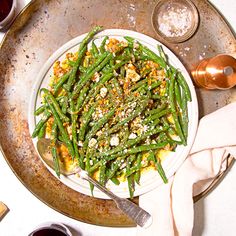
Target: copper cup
218	72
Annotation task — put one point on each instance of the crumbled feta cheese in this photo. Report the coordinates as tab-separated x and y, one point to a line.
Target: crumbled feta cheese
123	166
114	140
115	73
133	105
131	73
132	136
92	142
103	92
147	141
96	77
145	128
99	133
80	144
69	129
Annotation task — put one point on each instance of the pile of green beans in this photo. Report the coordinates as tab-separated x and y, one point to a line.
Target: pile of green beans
114	108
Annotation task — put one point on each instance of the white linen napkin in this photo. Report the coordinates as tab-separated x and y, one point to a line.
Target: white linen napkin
171	205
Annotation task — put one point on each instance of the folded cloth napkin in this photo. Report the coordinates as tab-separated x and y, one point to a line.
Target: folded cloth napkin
171	205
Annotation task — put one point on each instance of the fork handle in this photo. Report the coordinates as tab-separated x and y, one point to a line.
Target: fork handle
136	213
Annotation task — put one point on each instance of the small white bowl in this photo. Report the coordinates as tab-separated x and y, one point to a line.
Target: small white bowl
169	17
10	17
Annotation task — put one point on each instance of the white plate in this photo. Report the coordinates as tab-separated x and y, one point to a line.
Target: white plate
151	179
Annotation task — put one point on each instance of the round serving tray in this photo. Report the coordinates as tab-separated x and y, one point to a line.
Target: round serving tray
41	28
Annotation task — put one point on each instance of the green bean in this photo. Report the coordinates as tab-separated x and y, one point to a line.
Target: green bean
64	105
153	56
114	169
60	138
178	95
164	121
125	134
130	179
54	149
167	86
86	120
135	169
102	47
110	158
42	131
162	53
102	175
185	86
94	167
106	69
112	62
156	96
157	110
40	124
139	84
89	36
122	72
120	64
137	176
56	105
39	110
155	122
70	62
154	85
94	50
146	72
163	57
115	181
60	82
161	171
158	167
74	134
156	116
61	128
173	109
137	149
185	115
87	167
81	97
117	86
82	69
171	131
72	77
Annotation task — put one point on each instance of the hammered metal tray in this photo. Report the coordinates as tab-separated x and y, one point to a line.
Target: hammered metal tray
41	28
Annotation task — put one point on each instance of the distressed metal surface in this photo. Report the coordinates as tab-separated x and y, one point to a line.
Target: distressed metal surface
42	28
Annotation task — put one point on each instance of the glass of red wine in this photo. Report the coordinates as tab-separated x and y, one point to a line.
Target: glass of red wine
51	229
7	13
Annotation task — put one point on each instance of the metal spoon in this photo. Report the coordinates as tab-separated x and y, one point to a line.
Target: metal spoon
136	213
